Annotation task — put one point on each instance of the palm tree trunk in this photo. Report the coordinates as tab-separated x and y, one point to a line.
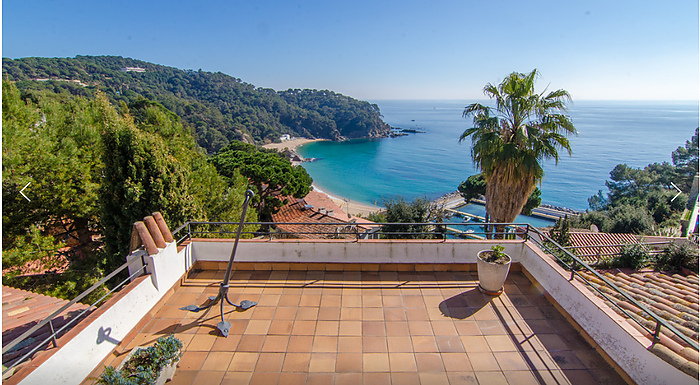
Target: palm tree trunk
506	195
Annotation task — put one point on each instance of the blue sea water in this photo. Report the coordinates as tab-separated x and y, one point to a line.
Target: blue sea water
434	163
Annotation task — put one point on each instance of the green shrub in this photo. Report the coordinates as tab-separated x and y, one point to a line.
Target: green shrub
144	365
633	256
676	256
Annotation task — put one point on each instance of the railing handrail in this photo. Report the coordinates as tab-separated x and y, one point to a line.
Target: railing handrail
659	321
80	296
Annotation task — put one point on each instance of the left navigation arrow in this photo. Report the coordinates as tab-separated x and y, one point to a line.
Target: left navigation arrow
20	191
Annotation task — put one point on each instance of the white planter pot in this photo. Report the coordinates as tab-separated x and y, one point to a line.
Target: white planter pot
492	276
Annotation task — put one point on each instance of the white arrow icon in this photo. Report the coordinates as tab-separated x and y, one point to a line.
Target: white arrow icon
20	191
679	192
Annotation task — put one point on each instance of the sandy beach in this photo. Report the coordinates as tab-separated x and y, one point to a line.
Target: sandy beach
291	144
351	207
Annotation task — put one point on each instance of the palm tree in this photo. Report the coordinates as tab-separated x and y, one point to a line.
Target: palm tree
510	141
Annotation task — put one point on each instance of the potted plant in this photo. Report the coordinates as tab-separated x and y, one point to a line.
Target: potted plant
153	365
493	266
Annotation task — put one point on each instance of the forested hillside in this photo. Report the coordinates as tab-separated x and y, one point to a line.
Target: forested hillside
216	107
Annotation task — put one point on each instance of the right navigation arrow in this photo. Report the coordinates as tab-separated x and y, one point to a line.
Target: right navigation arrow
679	192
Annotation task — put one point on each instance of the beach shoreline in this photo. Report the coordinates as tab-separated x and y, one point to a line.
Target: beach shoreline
350	206
291	144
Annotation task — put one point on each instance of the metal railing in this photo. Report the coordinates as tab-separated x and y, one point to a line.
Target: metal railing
356	232
598	254
546	244
136	256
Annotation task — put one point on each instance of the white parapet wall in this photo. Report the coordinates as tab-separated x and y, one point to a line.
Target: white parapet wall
332	251
622	342
99	335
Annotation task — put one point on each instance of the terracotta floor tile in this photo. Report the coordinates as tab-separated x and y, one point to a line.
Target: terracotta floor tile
511	361
372	314
429	362
269	362
417	314
251	343
420	328
349	344
322	362
269	299
327	328
292	379
463	378
348	362
183	377
449	344
376	379
456	362
375	362
402	362
392	301
444	328
399	344
413	301
300	344
348	378
202	342
329	313
539	360
280	327
475	343
394	314
257	327
567	360
405	378
552	342
217	361
350	328
350	313
523	377
397	329
330	300
285	313
373	328
307	313
501	343
491	328
236	378
226	344
275	344
243	362
491	378
296	362
306	328
310	300
483	361
209	377
433	378
262	378
192	360
319	378
374	345
263	313
424	344
289	300
372	301
325	344
349	301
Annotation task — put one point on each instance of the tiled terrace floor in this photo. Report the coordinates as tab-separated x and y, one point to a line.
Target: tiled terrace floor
321	327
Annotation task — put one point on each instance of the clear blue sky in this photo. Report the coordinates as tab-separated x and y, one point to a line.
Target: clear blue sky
384	49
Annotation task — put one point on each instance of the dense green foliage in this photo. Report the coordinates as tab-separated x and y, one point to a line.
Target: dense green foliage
419	210
676	256
641	201
475	186
218	108
271	175
510	141
94	171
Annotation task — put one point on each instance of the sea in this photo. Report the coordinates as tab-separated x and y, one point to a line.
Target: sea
433	163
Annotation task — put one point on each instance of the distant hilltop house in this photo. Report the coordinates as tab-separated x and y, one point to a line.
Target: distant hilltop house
285	138
132	69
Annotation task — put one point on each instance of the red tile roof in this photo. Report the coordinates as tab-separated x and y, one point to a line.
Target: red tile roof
21	310
578	240
296	211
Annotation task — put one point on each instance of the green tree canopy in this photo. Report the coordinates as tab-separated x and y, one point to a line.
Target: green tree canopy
510	141
271	175
475	186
